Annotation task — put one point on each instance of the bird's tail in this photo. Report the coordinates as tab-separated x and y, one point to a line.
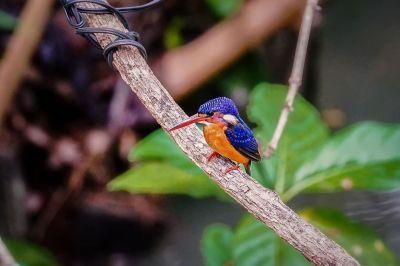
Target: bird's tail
247	167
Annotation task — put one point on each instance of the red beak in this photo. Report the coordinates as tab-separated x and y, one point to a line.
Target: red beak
193	119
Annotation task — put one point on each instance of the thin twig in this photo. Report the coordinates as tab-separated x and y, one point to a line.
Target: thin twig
296	76
21	48
258	200
5	257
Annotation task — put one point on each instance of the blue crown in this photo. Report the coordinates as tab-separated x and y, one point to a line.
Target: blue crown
220	104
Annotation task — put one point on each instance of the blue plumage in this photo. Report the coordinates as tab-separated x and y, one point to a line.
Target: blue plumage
221	104
225	132
239	135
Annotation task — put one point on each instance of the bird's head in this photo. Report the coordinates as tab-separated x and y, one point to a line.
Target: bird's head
221	111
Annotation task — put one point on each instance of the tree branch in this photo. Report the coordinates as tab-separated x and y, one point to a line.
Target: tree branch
261	202
21	48
185	68
296	76
5	257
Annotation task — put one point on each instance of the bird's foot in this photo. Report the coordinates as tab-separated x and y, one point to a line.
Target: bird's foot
212	155
235	167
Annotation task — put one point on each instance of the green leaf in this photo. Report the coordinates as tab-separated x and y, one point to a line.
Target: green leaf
7	22
216	245
163	178
28	254
164	169
359	240
158	146
224	8
253	244
256	245
173	36
236	79
363	156
305	132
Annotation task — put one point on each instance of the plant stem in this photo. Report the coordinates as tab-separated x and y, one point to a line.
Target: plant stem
296	76
20	50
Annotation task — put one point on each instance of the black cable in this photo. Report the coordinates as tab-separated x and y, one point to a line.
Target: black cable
76	20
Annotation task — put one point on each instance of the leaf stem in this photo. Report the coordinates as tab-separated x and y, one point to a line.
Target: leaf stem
281	173
296	76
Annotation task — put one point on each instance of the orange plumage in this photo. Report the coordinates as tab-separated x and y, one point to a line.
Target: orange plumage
216	138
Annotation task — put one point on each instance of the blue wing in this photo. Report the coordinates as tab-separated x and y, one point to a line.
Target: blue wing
241	137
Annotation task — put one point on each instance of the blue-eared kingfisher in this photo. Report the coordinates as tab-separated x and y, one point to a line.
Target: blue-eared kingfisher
226	132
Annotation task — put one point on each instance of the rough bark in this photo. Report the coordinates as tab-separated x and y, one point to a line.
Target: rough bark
261	202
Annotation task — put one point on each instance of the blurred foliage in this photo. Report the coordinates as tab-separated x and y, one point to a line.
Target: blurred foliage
7	22
172	181
217	245
28	254
359	240
173	35
363	156
253	244
224	8
304	133
237	75
164	168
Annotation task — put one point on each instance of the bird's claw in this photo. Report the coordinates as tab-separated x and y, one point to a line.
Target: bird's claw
212	155
235	167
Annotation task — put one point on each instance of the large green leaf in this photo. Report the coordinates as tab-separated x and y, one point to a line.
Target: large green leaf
304	134
7	22
164	169
158	146
163	178
28	254
216	245
363	156
256	245
359	240
251	244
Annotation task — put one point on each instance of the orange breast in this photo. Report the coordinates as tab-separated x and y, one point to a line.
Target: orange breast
216	138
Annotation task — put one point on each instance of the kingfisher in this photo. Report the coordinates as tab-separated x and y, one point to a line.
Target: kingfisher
225	132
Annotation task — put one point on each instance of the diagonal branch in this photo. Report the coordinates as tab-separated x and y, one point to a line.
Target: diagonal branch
261	202
5	257
296	76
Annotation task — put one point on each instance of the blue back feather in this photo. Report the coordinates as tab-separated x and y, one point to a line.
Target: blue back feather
241	137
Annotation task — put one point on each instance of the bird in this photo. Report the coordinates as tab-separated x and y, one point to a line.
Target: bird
225	132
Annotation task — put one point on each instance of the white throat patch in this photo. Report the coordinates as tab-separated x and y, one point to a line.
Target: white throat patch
231	119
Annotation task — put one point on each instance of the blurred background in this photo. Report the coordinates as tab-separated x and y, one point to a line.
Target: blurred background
68	122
